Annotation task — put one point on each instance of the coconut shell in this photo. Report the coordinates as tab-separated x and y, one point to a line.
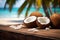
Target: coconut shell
42	26
37	14
31	24
55	19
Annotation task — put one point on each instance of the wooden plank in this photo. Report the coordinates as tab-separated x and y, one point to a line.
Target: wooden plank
52	33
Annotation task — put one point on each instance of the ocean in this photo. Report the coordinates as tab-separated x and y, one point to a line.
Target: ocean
13	14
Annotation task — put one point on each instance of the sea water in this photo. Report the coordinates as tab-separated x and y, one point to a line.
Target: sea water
14	13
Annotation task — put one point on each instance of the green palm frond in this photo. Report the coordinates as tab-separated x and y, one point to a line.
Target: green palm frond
30	4
11	3
55	3
7	2
34	2
45	8
22	7
47	2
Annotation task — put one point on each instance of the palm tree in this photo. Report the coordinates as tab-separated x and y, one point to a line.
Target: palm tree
48	4
37	4
45	8
10	3
26	2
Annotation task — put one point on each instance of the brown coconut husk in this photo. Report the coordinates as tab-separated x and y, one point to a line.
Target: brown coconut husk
37	14
31	24
55	19
42	26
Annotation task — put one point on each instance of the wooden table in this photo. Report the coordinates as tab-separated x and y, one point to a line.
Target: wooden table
7	33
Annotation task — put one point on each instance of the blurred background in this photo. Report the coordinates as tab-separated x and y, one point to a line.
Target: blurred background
5	13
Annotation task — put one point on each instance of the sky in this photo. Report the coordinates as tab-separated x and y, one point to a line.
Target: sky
18	3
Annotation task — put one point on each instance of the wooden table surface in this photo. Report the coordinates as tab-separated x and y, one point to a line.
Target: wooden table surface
51	33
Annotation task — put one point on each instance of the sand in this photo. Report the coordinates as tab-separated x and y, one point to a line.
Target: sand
11	21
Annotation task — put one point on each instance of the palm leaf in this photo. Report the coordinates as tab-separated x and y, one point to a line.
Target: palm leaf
11	3
22	7
34	3
47	2
30	4
45	8
7	2
55	3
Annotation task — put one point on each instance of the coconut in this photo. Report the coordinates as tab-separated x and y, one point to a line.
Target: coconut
43	22
30	22
37	14
55	19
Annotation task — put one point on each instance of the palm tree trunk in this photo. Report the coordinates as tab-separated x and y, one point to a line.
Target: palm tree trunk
54	5
45	8
50	10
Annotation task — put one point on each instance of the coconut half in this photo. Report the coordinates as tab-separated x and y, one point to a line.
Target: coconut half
30	22
43	22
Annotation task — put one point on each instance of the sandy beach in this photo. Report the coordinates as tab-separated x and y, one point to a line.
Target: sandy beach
11	21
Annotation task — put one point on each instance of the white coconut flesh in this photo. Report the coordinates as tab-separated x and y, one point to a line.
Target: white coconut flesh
30	19
43	20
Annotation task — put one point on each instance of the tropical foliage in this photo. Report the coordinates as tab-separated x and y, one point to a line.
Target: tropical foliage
56	3
10	3
37	3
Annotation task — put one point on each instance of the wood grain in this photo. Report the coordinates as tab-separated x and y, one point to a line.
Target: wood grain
51	34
